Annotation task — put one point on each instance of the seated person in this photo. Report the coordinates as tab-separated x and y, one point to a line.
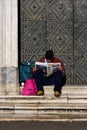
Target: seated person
58	78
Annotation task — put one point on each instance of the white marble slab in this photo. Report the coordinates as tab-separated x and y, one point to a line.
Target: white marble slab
8	33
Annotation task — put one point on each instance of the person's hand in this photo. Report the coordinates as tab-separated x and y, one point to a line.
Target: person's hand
35	69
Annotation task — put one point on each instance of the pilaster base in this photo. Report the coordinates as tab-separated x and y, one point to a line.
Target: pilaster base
9	81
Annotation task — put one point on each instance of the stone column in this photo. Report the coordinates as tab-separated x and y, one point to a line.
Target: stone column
8	47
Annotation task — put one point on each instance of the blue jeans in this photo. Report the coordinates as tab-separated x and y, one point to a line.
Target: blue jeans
55	79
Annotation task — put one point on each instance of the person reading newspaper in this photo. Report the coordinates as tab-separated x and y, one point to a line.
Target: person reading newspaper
47	68
57	78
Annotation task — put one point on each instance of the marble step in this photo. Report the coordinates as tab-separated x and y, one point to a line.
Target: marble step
70	96
44	103
43	111
72	104
43	117
67	89
64	98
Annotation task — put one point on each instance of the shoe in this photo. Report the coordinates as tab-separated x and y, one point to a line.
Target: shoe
40	93
56	93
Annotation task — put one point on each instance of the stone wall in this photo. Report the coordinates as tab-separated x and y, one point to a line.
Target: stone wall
8	47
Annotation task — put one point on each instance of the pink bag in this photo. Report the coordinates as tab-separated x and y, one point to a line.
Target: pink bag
30	87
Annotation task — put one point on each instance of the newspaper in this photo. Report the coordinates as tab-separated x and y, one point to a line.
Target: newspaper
47	68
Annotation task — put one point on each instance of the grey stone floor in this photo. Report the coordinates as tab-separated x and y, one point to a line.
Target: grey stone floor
38	125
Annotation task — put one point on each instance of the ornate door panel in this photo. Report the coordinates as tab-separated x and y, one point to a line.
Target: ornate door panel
80	42
60	25
60	32
32	29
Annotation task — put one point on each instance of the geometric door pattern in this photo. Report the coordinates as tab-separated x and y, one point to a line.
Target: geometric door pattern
80	41
60	25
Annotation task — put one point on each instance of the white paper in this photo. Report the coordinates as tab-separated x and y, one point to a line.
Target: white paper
47	68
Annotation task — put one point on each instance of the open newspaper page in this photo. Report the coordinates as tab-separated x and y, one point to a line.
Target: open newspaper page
47	68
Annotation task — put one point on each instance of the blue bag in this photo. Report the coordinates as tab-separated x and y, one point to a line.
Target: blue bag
25	70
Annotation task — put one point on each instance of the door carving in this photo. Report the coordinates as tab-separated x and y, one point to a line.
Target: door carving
60	25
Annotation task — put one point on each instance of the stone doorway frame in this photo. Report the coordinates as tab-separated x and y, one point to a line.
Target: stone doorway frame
9	81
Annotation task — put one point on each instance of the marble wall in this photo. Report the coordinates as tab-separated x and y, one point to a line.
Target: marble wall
8	47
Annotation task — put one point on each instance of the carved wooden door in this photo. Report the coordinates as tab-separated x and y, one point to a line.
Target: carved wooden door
60	25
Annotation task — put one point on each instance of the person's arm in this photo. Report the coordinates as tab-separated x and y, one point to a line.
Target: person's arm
62	68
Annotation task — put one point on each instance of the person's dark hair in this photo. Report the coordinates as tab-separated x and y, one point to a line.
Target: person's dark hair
49	55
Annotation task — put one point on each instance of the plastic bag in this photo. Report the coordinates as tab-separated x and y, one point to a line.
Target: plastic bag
30	87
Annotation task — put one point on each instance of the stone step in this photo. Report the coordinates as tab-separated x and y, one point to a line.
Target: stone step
67	89
42	111
43	103
64	98
72	104
43	117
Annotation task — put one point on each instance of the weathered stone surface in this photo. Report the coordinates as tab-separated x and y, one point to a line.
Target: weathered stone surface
66	107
